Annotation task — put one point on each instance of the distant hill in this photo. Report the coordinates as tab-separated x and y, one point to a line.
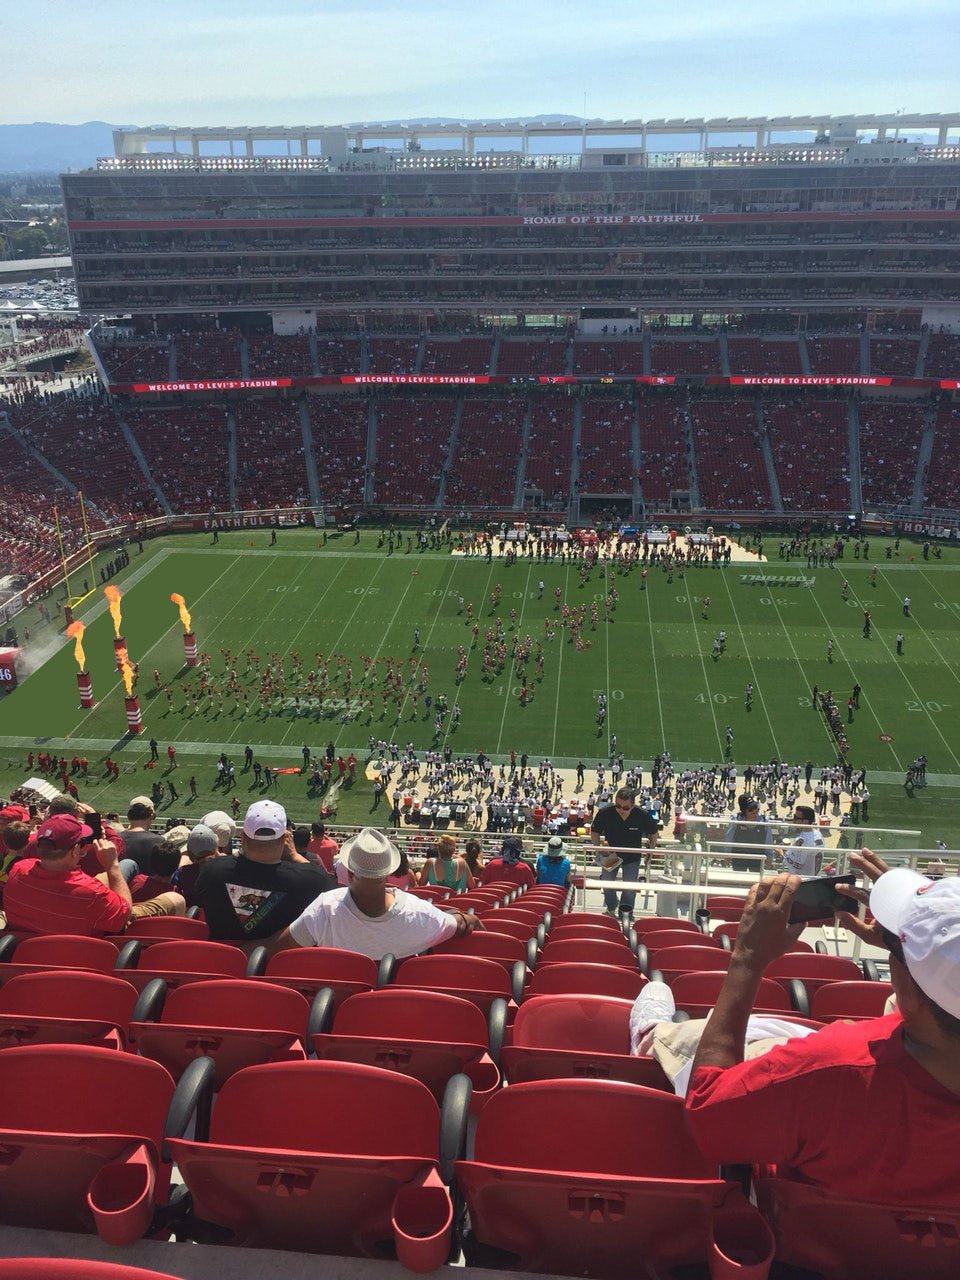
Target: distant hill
51	148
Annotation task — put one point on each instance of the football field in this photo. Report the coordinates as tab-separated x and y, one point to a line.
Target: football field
652	655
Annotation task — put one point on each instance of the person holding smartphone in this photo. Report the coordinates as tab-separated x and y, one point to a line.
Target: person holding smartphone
50	893
867	1110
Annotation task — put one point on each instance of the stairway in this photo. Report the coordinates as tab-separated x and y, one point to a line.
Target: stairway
368	485
232	459
449	456
522	457
309	457
133	445
767	450
923	459
853	437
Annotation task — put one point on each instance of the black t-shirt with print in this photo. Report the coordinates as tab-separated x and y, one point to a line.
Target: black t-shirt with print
244	900
626	833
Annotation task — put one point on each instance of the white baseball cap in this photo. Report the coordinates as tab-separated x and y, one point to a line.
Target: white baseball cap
265	820
370	855
925	916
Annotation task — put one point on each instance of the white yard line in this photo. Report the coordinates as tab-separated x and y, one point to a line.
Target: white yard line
706	680
753	671
556	706
509	684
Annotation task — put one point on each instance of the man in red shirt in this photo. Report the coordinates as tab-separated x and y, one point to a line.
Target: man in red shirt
321	847
869	1110
50	894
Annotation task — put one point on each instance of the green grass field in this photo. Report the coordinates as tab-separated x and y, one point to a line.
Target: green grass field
653	661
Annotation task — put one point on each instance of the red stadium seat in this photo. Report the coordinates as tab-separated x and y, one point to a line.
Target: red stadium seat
83	1132
851	1000
60	951
576	1197
235	1022
729	930
310	969
73	1269
584	919
473	978
329	1157
840	1239
813	970
588	951
646	925
729	908
696	993
576	1037
167	929
502	947
181	962
61	1007
422	1034
586	979
675	960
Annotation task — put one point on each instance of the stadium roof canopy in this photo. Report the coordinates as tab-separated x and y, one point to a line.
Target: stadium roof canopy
568	134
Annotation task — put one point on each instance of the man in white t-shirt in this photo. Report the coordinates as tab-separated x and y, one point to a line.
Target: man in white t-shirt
367	915
805	856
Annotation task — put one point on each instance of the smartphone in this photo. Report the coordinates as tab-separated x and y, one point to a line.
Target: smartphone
817	899
95	823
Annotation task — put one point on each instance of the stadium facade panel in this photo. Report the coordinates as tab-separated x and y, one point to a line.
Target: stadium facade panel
452	241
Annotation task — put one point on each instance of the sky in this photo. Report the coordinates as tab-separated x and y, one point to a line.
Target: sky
235	62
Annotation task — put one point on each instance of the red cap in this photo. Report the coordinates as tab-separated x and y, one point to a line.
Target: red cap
63	831
14	813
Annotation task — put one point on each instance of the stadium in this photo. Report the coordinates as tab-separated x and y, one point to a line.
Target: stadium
450	479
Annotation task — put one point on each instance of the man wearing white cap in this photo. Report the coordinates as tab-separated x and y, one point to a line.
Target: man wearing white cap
370	917
253	895
869	1110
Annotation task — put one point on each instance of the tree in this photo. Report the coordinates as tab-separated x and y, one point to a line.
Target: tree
28	242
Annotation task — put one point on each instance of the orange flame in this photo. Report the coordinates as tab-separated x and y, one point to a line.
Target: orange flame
113	595
126	672
75	632
184	611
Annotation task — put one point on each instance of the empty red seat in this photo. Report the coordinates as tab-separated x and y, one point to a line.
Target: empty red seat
840	1239
60	951
474	978
729	930
590	1177
167	929
236	1023
696	994
506	950
60	1007
310	969
329	1157
675	960
577	1037
646	925
82	1131
180	962
588	951
586	979
423	1034
849	1000
725	908
73	1269
589	933
813	970
583	920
